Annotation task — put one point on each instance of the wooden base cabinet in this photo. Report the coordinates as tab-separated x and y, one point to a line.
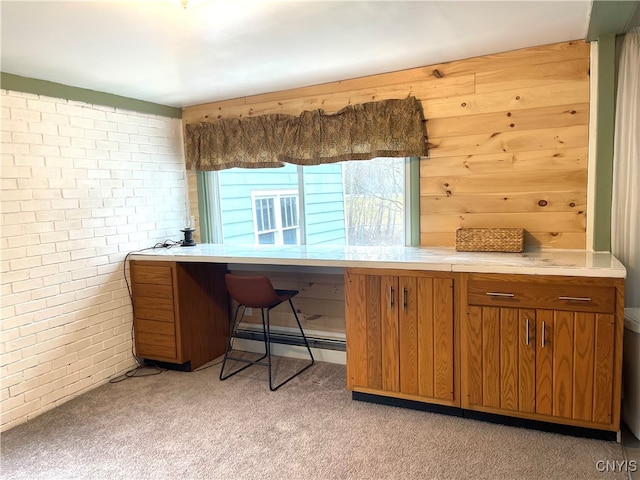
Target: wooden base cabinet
180	312
400	334
543	348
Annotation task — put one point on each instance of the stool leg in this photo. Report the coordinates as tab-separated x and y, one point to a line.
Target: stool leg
267	343
229	340
234	326
271	387
295	314
265	333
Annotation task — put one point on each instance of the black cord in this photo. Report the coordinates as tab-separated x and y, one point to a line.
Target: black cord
134	372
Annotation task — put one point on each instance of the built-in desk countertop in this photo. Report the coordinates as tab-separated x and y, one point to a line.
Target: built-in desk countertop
535	336
580	263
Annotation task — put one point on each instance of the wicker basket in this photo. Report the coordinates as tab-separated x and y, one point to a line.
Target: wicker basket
490	240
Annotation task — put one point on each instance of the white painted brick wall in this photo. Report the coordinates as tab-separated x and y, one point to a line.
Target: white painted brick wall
82	185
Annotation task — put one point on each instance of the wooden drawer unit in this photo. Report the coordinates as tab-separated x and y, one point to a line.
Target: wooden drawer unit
180	312
154	312
543	348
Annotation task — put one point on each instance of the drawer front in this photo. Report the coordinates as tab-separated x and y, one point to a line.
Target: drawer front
150	308
155	333
156	352
148	290
576	298
155	340
159	275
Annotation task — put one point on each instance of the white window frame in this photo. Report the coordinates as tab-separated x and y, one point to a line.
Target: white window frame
279	229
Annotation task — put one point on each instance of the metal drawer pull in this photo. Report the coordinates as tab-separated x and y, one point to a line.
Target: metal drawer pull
404	298
391	297
543	335
576	299
496	294
527	332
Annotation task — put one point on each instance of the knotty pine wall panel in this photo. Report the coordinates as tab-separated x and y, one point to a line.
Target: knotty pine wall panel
508	138
319	303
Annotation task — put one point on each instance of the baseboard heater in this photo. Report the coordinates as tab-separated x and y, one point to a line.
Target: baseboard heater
487	417
286	339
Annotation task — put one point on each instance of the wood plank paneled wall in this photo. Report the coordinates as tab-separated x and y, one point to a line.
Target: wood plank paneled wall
319	305
508	138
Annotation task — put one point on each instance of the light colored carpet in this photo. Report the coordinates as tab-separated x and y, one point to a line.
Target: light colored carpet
192	426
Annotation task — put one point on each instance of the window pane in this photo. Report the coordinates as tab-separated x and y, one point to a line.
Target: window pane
289	211
284	212
348	203
267	238
260	223
374	201
290	236
322	205
265	215
269	217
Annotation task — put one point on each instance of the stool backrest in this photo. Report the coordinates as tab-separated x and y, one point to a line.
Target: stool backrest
255	291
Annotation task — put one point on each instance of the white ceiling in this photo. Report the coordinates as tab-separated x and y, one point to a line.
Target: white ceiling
157	51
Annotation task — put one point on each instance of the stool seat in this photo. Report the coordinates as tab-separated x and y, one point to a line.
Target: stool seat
256	291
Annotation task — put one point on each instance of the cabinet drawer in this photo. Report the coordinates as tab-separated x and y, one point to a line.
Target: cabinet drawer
155	340
159	352
155	333
578	298
149	290
157	275
151	308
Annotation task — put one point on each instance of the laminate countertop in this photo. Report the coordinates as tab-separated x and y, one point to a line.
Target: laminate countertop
580	263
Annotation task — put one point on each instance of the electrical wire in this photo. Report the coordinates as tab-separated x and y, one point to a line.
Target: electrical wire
141	366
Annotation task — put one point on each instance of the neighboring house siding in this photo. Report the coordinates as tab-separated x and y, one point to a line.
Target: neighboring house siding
324	205
324	201
236	186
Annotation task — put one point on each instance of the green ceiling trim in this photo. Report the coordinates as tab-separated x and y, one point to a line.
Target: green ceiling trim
605	121
17	83
610	17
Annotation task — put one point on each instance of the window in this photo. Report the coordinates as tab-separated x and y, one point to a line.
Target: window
290	220
276	220
362	202
374	201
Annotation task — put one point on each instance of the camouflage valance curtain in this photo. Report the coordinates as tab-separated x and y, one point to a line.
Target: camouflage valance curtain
388	128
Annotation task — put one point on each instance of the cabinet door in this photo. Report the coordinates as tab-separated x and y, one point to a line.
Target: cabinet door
363	327
540	362
388	302
410	328
582	364
484	343
371	306
526	360
502	358
425	336
400	336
